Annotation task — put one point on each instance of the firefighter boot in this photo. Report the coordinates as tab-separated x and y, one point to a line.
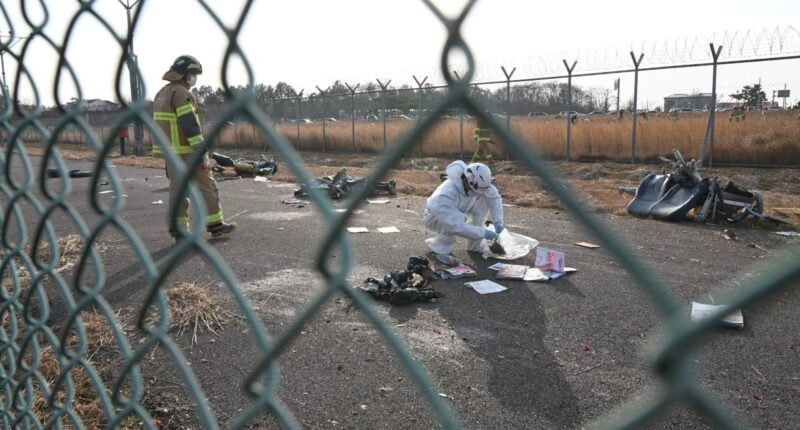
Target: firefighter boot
222	229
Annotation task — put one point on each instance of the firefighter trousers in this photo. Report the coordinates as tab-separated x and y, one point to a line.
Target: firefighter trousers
204	180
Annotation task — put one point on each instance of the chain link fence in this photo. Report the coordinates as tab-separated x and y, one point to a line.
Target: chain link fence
46	367
534	108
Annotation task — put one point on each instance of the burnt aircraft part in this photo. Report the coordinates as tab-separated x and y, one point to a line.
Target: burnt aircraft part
652	188
244	168
672	196
222	160
55	173
341	184
679	200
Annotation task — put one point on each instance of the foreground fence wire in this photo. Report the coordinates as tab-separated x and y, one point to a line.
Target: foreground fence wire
32	267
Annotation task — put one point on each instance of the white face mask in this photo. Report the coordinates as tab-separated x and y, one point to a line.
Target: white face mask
191	79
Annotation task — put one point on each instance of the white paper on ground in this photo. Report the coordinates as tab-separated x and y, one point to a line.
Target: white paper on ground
343	210
292	200
486	287
497	266
158	202
701	311
106	192
516	245
378	201
260	179
534	274
391	229
788	233
358	229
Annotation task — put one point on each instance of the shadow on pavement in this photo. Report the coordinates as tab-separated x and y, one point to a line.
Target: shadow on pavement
507	331
132	280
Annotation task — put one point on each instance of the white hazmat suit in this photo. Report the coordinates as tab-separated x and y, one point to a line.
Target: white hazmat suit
451	211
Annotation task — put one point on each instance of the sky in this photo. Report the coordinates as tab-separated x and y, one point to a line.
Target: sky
310	43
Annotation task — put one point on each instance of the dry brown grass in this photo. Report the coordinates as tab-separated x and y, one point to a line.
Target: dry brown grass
596	182
68	248
194	308
768	139
100	354
100	341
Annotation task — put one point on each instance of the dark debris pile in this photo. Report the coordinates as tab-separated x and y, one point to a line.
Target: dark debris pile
404	287
342	184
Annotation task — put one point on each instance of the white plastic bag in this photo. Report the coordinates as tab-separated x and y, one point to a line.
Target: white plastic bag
515	244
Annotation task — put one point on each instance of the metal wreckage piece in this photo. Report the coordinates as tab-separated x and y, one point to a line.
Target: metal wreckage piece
244	168
341	184
55	173
403	287
671	196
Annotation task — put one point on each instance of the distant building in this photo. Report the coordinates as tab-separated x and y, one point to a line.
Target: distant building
97	105
688	101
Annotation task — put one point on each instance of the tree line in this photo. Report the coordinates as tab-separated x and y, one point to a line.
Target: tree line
281	101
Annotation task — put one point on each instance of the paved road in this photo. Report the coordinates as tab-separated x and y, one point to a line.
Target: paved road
540	355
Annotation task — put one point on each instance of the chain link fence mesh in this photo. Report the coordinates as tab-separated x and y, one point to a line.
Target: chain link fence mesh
45	367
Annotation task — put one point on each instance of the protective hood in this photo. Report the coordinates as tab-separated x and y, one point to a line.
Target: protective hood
455	170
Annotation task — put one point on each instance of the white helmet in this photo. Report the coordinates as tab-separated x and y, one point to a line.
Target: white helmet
479	177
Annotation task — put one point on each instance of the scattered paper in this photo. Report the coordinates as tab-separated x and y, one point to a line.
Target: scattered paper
497	266
548	260
486	287
701	311
261	179
570	269
358	229
448	272
158	202
388	230
292	200
512	272
378	201
534	274
106	192
554	275
788	233
343	210
587	245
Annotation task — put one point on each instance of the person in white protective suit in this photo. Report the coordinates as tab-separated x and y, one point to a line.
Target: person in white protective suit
460	207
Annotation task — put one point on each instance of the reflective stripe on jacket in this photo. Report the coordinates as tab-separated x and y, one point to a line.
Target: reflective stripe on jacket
482	135
175	111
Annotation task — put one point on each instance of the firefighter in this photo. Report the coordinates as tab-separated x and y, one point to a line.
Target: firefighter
737	114
482	137
175	110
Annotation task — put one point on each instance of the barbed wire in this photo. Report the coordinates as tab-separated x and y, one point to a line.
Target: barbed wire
737	45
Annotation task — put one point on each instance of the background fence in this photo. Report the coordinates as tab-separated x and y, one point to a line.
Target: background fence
33	397
365	117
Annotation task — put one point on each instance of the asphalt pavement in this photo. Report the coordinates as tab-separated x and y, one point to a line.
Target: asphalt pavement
552	355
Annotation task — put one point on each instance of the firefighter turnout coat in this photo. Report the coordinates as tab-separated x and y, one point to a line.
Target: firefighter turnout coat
175	110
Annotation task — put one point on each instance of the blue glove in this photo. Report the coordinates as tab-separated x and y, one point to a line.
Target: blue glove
489	235
499	227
